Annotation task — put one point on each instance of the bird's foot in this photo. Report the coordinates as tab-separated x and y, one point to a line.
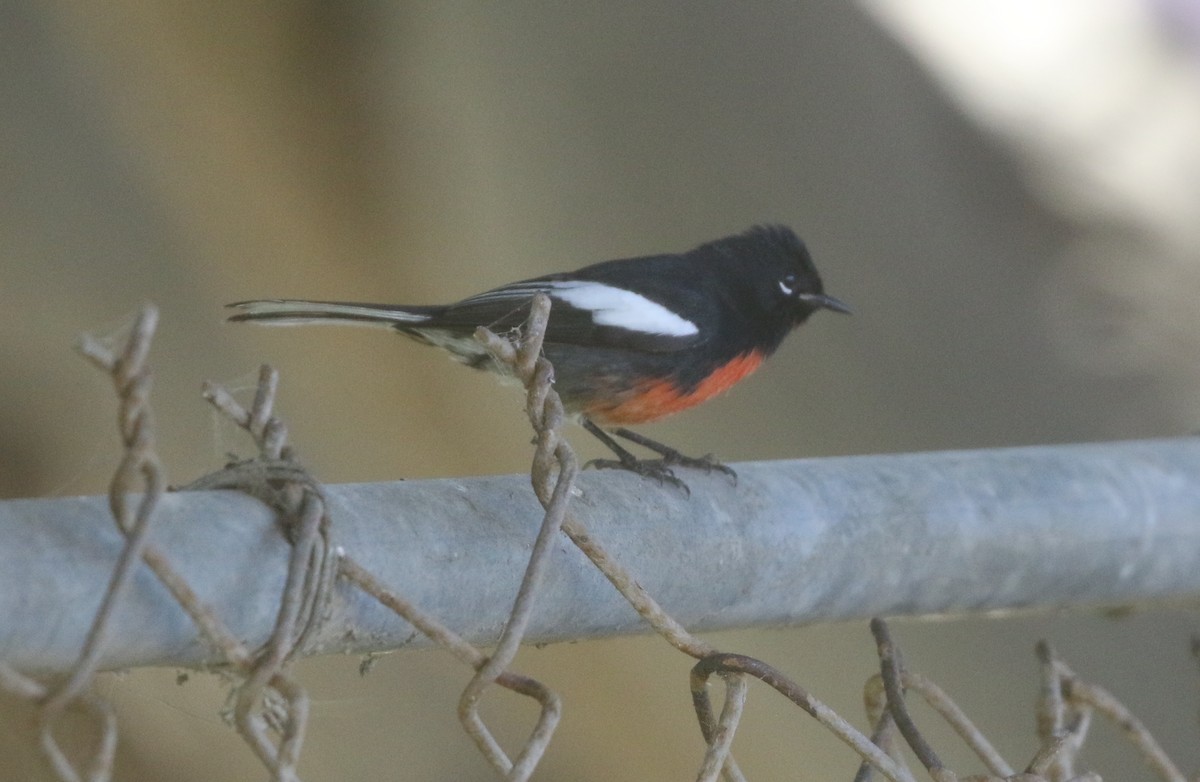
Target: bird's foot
657	469
672	457
707	462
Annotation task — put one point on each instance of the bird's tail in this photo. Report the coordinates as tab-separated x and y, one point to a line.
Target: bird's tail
297	312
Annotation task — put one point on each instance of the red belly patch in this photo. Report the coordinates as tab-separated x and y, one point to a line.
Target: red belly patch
658	399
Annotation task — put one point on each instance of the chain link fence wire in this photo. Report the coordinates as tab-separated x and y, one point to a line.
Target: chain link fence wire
1149	491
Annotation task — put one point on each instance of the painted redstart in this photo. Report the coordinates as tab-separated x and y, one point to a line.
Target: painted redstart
631	340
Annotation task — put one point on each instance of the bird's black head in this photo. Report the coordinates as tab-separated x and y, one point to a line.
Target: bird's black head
769	284
786	283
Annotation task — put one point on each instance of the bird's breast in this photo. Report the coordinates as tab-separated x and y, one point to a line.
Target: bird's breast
650	400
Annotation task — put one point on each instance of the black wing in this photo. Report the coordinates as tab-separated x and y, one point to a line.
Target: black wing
584	311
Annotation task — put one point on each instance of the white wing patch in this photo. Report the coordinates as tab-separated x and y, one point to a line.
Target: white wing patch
622	309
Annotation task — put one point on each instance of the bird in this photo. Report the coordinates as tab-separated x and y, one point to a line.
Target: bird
631	340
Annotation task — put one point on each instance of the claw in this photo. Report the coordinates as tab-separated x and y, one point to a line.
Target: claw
659	469
647	468
707	462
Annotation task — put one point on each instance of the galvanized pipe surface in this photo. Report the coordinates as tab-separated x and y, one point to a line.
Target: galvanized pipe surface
794	542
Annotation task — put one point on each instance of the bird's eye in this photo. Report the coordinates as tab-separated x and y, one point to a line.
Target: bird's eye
788	285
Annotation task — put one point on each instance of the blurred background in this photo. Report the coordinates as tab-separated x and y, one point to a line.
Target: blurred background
1008	194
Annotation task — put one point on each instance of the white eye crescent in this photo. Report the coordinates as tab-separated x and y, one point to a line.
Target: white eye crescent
788	285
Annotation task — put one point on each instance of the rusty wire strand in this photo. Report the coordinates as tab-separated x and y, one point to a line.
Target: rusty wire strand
1083	696
1062	722
136	429
719	735
207	622
875	695
742	664
890	665
550	704
958	720
1064	713
139	468
132	379
277	480
659	620
883	736
1052	718
552	476
22	686
1046	759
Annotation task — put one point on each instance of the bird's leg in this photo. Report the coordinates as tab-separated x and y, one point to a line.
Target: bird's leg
649	468
659	469
707	462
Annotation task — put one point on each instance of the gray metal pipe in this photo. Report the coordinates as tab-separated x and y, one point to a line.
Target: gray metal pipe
793	542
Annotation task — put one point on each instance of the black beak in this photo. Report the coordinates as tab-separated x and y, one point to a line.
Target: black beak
821	301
